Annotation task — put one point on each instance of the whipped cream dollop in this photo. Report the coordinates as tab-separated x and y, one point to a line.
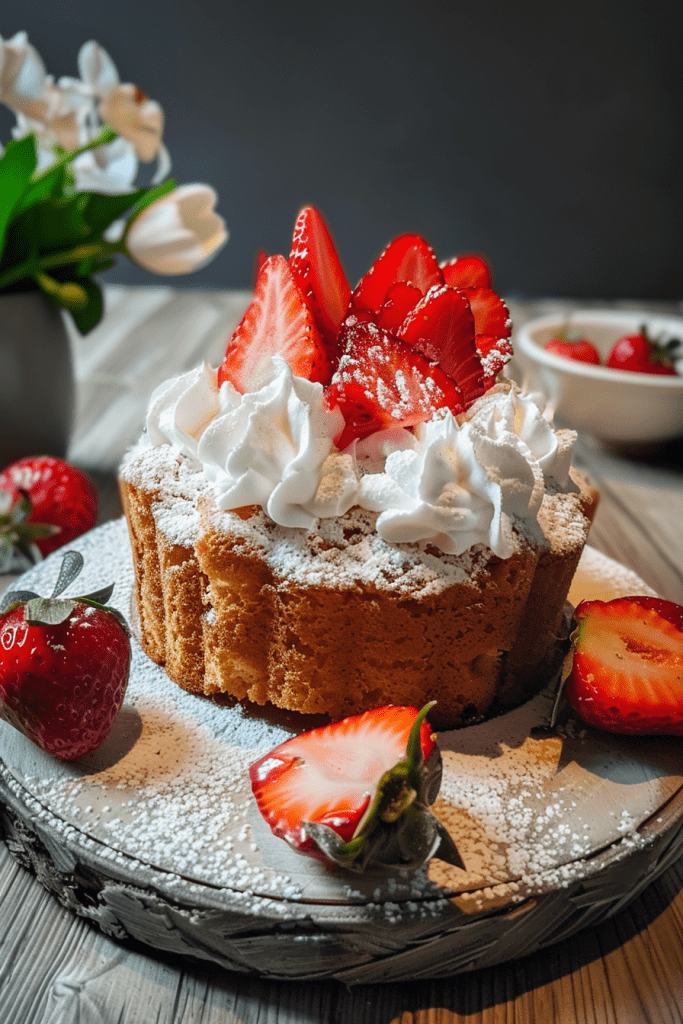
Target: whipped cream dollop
451	482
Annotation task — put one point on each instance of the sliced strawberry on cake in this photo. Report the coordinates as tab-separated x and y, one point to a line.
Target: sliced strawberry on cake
442	328
627	672
409	259
319	273
401	299
357	792
277	322
469	271
383	382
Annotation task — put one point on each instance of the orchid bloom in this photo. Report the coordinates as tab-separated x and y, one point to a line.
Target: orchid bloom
178	233
111	168
22	76
56	115
124	107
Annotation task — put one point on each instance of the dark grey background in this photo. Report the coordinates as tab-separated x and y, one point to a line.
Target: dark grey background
547	136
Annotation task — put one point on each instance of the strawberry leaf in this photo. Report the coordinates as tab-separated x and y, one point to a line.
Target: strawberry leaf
14	597
45	611
72	564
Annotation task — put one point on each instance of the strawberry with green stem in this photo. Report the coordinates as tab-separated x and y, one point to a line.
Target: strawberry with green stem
357	793
641	353
64	665
50	504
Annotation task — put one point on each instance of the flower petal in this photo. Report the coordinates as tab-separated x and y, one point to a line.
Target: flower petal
97	69
129	112
179	233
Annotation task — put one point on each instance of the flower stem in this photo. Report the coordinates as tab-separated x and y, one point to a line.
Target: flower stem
106	135
32	267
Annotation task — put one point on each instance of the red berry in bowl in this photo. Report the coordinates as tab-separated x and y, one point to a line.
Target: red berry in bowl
579	349
641	354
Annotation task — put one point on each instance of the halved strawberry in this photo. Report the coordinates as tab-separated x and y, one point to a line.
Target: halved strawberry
408	258
382	382
358	791
469	271
319	273
278	322
627	674
441	326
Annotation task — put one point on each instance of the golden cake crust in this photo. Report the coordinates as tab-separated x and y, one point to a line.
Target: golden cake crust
335	620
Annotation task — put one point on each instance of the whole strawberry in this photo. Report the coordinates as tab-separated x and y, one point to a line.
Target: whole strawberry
64	665
627	673
639	353
356	793
580	349
60	497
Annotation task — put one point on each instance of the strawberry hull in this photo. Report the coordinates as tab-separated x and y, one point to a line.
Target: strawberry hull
357	792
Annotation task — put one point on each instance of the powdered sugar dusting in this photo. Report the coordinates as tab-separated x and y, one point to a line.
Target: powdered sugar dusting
169	790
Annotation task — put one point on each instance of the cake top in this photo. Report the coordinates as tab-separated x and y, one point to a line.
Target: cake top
383	398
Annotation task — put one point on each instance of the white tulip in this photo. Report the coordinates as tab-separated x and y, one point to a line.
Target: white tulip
178	233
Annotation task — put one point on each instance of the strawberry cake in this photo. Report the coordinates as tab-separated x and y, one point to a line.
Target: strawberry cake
352	510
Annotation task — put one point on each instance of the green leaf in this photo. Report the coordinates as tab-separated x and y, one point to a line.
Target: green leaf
17	165
91	314
99	210
59	223
52	183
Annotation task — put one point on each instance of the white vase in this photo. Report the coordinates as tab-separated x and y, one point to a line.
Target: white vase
37	388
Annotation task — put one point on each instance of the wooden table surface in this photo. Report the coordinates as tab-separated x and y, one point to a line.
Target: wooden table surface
56	968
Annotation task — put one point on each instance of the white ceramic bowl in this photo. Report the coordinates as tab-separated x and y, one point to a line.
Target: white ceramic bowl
618	407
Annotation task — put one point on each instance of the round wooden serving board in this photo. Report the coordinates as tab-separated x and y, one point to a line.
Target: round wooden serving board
156	835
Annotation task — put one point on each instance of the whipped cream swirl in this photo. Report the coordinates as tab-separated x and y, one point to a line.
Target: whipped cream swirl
450	482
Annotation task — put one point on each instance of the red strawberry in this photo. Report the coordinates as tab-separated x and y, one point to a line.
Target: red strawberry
60	496
408	258
627	674
579	349
401	299
641	354
469	271
441	327
319	273
64	668
357	792
278	322
383	382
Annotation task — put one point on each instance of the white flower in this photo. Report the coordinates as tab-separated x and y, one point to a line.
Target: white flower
178	233
22	75
124	107
56	114
111	168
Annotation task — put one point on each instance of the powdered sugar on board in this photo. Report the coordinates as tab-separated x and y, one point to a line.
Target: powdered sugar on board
169	787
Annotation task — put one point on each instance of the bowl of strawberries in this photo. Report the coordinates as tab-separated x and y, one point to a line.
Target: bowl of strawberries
615	375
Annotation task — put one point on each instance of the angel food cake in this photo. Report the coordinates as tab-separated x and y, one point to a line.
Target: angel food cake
350	511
